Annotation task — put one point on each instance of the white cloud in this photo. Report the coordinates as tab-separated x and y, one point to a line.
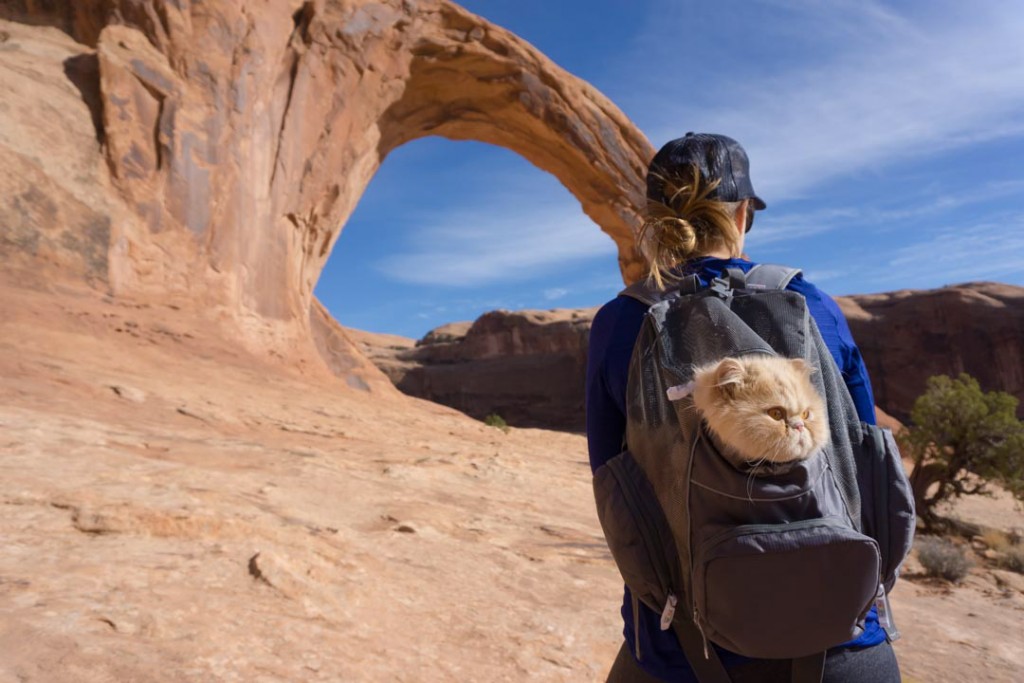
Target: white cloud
504	239
957	253
886	88
947	253
786	227
555	293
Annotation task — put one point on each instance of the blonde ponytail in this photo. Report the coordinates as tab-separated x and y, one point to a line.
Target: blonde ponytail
685	225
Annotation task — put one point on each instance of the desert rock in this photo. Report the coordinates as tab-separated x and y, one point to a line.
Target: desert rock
248	520
236	142
910	335
529	366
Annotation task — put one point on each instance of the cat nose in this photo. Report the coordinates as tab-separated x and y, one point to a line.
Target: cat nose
798	425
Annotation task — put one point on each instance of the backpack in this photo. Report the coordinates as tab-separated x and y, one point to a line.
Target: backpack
779	566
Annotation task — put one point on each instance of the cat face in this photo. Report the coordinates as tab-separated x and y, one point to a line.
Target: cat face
763	407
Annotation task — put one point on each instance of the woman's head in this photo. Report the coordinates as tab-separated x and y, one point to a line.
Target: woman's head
699	195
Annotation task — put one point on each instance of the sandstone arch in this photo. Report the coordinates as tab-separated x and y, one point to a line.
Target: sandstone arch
239	142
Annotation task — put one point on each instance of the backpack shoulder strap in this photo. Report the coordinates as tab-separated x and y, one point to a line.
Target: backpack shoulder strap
640	291
708	668
809	669
769	276
761	276
703	659
648	295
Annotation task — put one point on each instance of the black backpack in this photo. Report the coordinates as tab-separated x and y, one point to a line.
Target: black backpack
782	566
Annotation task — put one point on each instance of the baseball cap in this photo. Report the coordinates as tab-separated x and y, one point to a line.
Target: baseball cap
716	156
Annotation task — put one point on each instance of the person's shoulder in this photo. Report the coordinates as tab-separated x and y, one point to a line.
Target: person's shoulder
622	306
816	297
620	317
801	284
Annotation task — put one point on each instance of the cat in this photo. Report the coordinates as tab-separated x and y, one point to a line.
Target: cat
763	408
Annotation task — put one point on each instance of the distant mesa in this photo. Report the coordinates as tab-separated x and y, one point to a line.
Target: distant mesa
910	335
529	366
526	366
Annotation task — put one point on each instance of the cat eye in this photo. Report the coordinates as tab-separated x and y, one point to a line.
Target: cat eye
806	414
776	413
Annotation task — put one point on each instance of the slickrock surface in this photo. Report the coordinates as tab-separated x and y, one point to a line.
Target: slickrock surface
175	509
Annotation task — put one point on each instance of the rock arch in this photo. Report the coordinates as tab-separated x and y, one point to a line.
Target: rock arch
240	141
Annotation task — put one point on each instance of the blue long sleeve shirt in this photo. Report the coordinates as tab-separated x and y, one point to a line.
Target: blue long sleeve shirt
612	336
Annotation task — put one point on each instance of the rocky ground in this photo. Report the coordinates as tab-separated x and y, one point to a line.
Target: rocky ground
174	509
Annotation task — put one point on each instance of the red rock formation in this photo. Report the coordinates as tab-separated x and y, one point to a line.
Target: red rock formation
341	353
908	336
237	142
529	366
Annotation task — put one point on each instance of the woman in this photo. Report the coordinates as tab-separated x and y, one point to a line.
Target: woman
701	204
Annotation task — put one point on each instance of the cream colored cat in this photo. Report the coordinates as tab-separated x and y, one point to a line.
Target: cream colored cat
763	408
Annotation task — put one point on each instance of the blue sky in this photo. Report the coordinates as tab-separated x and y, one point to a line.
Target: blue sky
886	138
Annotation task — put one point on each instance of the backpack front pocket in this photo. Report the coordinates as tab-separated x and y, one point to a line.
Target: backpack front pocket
785	590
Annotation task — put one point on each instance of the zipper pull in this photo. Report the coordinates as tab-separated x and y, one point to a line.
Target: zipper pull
679	391
885	614
696	620
668	612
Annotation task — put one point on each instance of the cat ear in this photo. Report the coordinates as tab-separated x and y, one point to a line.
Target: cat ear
729	372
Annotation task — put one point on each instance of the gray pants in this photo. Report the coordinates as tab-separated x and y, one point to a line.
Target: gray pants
843	665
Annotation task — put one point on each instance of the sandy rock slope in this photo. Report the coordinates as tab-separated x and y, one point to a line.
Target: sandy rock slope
177	510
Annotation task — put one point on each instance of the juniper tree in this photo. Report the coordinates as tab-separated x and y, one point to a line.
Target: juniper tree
962	439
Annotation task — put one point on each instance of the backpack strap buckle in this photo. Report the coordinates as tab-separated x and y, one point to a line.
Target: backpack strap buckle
721	287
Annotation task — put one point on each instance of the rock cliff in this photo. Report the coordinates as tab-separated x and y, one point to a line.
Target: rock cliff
908	336
529	366
213	152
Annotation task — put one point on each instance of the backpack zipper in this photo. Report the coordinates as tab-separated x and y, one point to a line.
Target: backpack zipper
639	507
689	542
648	531
748	529
881	499
696	621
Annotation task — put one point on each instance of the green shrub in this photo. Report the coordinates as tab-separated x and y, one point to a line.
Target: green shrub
495	420
961	439
942	558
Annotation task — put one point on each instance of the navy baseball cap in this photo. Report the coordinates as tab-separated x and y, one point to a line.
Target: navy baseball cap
716	156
